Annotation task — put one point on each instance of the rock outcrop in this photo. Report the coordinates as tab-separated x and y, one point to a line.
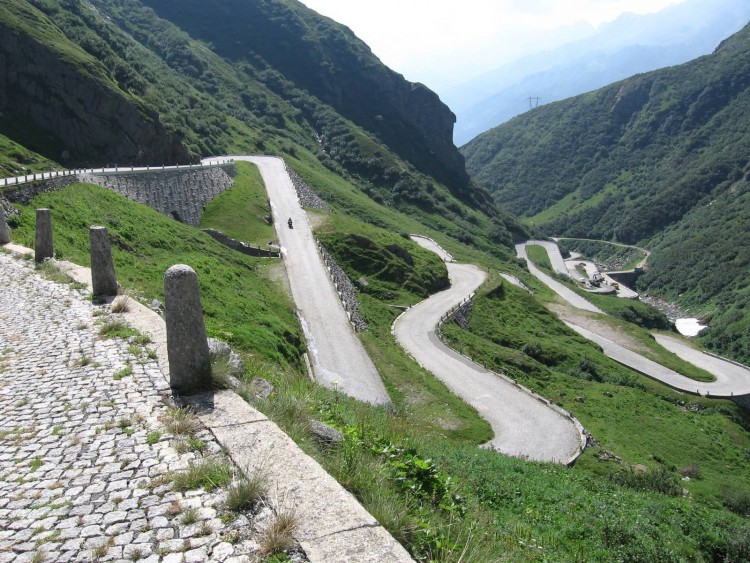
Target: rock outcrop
327	60
73	115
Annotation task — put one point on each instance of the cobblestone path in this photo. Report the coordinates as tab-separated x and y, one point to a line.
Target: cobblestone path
83	447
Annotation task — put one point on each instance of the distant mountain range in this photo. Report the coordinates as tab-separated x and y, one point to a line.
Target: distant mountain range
629	45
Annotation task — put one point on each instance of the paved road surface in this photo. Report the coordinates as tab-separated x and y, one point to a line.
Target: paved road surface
555	257
339	359
568	294
76	473
731	379
523	425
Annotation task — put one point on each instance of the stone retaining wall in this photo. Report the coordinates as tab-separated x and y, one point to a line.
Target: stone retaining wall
307	197
182	194
345	287
23	193
461	315
743	401
240	246
179	193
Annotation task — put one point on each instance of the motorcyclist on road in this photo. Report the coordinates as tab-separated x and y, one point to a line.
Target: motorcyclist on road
289	222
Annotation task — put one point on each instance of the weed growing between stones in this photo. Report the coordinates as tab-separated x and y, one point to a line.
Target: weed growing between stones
277	536
100	551
116	328
51	271
180	421
221	372
127	371
244	493
174	508
120	304
190	516
84	360
208	474
189	444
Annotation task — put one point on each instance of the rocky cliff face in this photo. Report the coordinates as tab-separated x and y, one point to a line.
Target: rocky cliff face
74	117
329	61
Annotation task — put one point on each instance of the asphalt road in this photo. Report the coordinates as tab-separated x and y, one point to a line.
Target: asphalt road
524	426
338	358
731	379
567	294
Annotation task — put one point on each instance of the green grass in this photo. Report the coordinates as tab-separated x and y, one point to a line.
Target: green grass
246	492
639	419
538	255
116	328
16	160
242	212
207	474
23	16
124	372
241	305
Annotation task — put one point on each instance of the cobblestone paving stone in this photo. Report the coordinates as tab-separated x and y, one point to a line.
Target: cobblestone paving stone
79	478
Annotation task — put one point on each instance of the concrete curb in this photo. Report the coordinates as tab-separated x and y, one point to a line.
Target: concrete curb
333	526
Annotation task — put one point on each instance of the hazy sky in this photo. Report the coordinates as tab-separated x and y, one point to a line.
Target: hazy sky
444	42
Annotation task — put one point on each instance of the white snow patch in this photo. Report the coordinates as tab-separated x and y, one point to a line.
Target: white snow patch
689	327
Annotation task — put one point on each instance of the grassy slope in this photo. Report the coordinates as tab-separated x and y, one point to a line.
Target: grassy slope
631	317
242	212
240	304
16	160
517	510
629	414
27	19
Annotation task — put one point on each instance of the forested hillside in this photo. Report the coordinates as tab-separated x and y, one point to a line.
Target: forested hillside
110	81
661	159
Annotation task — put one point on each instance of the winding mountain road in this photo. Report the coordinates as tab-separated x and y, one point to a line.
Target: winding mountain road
338	358
524	425
731	379
566	293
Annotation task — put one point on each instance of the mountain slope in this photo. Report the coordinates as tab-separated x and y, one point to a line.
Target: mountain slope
661	156
629	45
331	63
58	99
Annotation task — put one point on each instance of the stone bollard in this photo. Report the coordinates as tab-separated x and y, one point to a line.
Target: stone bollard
4	232
103	277
43	243
187	345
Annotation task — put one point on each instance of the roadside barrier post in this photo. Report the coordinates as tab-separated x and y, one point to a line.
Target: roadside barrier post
4	231
187	345
43	241
103	277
